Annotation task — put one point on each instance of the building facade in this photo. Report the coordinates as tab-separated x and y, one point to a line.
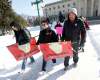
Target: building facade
86	8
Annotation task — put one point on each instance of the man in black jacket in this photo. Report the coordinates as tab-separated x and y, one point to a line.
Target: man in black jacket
46	36
73	27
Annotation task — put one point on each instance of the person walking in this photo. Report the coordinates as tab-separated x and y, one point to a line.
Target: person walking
73	27
47	35
59	28
22	37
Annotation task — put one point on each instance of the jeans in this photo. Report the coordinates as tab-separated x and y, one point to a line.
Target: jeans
75	54
45	62
25	61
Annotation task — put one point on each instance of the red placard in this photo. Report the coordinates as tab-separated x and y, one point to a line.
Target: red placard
49	53
19	55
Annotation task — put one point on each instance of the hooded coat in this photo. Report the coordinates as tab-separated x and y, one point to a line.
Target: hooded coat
74	31
46	36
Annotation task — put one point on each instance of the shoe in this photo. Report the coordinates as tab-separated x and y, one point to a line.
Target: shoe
66	68
42	72
43	69
75	65
79	48
54	61
21	72
82	49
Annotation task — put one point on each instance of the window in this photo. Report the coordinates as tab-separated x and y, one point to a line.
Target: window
68	5
49	8
63	6
63	11
46	13
45	9
68	10
58	7
54	8
74	4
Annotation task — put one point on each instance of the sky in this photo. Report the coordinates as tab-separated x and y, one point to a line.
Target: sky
25	7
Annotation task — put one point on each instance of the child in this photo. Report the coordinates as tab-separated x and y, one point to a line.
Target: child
46	36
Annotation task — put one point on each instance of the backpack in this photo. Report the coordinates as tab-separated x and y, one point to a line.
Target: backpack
27	33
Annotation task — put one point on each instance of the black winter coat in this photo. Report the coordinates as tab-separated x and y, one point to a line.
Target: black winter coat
21	37
73	31
47	36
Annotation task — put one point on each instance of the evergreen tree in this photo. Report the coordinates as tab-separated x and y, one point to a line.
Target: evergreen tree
7	15
5	11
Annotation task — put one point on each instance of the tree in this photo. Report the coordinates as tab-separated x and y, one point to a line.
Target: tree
21	21
7	15
5	11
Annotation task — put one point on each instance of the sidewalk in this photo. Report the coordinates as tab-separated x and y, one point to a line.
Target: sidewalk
87	69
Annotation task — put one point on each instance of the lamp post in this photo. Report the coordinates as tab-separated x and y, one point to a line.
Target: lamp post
37	2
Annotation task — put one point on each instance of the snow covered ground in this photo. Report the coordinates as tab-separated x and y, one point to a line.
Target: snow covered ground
88	67
94	33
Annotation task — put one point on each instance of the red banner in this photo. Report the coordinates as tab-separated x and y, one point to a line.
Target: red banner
19	54
56	50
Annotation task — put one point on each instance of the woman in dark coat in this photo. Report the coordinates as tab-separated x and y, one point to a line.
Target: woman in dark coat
72	30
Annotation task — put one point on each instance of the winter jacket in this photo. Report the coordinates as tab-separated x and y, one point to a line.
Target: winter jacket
21	36
47	36
59	29
72	31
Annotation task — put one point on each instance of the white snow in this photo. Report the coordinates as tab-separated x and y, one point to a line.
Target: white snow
87	68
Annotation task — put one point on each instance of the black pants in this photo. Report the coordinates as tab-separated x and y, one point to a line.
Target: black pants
45	62
75	54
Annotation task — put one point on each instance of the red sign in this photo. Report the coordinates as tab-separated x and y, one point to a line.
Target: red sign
56	50
19	55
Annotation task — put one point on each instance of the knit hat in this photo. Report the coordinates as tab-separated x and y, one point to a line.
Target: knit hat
73	10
